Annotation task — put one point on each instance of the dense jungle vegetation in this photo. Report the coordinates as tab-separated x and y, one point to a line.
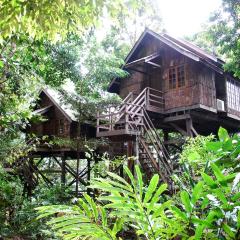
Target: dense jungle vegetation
67	43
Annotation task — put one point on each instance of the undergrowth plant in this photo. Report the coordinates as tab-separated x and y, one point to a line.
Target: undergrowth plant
207	207
126	205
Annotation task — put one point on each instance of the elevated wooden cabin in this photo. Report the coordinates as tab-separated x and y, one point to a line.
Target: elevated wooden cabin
60	119
54	164
173	85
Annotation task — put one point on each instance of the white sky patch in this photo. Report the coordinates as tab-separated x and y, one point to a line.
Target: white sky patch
185	17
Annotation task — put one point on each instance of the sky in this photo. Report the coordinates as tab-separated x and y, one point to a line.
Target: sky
185	17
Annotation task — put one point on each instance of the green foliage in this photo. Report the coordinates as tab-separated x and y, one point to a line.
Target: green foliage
195	153
224	29
193	160
226	151
84	220
16	212
106	165
205	208
130	204
53	20
139	206
212	207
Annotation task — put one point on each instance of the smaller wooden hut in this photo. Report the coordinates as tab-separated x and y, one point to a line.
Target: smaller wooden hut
64	163
61	120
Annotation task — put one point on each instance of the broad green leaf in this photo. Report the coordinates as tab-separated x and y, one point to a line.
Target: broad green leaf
159	210
92	205
179	213
223	134
217	172
140	181
199	232
227	145
186	201
213	146
194	156
212	215
197	191
208	180
117	226
156	197
230	232
220	195
120	179
238	219
104	216
151	188
131	177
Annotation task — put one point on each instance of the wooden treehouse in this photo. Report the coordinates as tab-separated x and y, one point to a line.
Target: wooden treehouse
61	163
174	86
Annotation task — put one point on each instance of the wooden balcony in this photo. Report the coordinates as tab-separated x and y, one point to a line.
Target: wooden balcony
119	121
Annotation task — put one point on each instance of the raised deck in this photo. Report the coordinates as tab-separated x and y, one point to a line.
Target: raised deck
118	120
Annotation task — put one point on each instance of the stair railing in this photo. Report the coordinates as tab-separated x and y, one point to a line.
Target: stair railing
157	144
157	138
112	116
147	128
153	162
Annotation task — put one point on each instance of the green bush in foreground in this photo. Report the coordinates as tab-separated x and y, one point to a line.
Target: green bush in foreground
205	208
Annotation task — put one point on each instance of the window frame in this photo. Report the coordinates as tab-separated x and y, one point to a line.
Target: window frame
61	129
176	67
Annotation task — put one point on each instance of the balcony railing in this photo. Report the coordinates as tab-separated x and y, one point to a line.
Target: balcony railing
116	121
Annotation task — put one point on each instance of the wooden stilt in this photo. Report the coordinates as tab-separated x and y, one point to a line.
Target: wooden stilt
166	138
189	127
129	155
88	173
63	174
77	177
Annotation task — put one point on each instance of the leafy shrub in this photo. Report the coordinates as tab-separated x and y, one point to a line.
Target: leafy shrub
207	207
17	212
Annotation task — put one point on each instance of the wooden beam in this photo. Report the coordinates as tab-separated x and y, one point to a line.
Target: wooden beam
154	64
173	142
142	60
189	127
183	132
176	118
137	70
194	131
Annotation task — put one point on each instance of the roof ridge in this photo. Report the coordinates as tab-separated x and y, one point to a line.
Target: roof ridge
192	46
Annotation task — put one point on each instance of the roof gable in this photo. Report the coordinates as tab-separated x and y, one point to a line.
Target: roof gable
183	47
55	98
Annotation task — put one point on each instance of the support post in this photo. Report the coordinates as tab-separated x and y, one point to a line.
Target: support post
166	139
129	154
88	173
30	184
189	127
63	174
77	176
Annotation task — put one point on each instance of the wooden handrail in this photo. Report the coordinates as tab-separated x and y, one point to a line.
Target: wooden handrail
135	118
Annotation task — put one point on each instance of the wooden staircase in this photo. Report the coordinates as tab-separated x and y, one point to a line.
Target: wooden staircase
132	118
